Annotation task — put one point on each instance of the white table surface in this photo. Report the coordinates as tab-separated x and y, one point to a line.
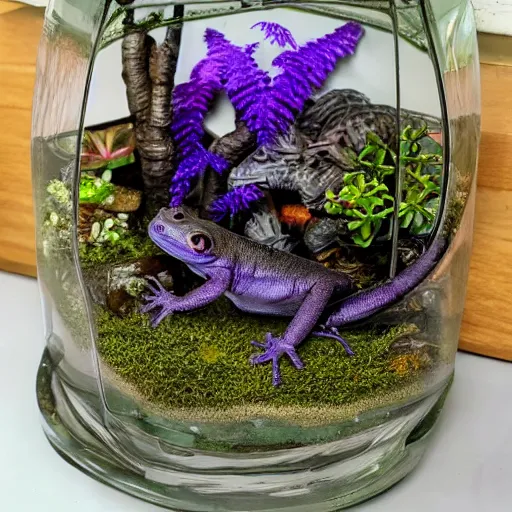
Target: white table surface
468	467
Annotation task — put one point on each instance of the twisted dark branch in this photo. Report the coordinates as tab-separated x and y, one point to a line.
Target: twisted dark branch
148	73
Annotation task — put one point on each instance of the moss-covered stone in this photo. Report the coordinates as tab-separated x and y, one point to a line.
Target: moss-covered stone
201	359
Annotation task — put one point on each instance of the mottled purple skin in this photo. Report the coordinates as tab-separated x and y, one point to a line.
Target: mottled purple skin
259	279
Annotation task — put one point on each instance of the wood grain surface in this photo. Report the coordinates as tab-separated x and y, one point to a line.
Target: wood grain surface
487	325
20	29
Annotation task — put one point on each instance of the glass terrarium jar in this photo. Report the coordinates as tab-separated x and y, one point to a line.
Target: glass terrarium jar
254	225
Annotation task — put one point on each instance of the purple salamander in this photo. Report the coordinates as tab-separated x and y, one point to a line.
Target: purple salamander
259	279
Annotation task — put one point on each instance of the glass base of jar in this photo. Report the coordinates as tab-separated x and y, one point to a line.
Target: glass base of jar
350	475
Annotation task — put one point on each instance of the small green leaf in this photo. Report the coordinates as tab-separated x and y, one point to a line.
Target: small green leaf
355	224
357	213
332	209
380	156
107	175
366	230
407	220
361	242
384	213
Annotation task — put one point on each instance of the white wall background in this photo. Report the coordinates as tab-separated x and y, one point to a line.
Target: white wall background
494	16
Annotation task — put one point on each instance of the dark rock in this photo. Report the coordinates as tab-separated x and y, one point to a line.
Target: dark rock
322	233
410	249
120	302
264	227
119	287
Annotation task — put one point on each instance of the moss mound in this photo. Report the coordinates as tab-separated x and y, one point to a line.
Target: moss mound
132	246
201	359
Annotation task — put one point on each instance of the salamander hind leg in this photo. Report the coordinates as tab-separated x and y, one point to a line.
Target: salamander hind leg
274	348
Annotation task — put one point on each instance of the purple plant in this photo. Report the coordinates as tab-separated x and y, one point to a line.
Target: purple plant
276	34
306	69
267	106
191	102
235	201
250	90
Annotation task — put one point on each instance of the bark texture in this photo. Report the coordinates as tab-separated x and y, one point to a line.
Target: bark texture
234	147
148	73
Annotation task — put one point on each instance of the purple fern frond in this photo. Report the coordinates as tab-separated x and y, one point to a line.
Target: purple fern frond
247	86
250	90
191	102
267	106
306	69
276	34
237	200
193	164
251	48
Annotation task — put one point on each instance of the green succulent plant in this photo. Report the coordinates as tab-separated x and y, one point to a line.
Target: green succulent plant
364	199
94	189
365	202
110	230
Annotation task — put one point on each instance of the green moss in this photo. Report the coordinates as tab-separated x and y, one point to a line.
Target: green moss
133	245
201	359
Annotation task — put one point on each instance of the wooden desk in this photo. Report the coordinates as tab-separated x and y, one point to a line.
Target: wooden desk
487	327
20	30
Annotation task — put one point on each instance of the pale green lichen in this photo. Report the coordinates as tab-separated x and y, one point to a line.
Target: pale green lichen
59	192
135	286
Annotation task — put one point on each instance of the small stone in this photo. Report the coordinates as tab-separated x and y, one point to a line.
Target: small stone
54	218
125	200
120	302
107	175
410	249
408	344
322	233
95	230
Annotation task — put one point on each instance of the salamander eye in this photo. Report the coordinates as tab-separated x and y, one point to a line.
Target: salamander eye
199	242
178	216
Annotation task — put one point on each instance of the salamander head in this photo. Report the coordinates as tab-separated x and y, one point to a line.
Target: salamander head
183	235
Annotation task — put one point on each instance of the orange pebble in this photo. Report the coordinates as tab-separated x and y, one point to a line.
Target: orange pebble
295	215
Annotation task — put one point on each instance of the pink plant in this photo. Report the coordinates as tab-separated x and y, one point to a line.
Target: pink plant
109	148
